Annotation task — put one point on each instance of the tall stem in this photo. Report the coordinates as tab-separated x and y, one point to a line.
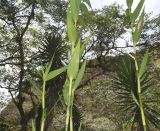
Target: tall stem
43	105
69	108
139	86
141	105
67	118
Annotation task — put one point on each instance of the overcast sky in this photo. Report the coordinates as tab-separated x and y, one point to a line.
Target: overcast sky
151	5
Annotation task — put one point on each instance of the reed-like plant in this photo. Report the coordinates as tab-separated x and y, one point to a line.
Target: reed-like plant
136	20
125	86
46	75
75	70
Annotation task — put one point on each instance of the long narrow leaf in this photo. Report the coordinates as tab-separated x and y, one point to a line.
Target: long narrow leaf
129	3
143	65
33	126
71	29
137	11
74	9
55	73
83	46
88	3
79	76
73	66
138	31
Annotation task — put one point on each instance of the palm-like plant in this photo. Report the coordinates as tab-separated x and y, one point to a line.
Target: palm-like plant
125	87
52	48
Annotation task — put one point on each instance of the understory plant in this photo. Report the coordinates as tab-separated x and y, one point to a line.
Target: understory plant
136	30
46	75
135	80
125	85
52	46
75	70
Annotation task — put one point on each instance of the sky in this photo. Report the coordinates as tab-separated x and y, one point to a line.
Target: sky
150	5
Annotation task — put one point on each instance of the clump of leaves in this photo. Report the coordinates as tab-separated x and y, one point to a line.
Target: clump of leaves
46	76
126	87
52	46
136	29
75	70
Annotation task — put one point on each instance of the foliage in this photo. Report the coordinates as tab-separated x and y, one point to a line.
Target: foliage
107	27
74	72
46	75
126	88
52	46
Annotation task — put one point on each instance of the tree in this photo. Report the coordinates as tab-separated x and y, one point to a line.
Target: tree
14	51
19	43
107	26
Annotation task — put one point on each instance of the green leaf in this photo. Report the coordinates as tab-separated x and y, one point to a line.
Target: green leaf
138	31
83	46
66	92
143	65
79	129
127	12
74	9
137	11
88	3
79	76
84	9
134	98
129	3
126	20
78	4
71	29
73	66
48	67
55	73
33	126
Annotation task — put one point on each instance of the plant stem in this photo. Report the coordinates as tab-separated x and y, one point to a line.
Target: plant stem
138	78
69	108
71	103
71	115
141	105
43	105
67	118
139	87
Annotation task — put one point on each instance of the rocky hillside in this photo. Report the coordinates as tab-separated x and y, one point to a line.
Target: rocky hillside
95	100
